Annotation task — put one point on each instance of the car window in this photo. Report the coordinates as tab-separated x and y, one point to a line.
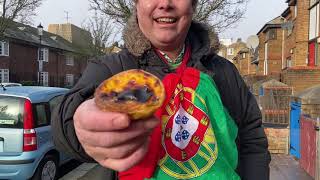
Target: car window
11	112
41	115
54	102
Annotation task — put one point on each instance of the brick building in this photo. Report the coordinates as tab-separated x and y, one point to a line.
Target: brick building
243	62
229	49
295	33
79	37
28	59
270	47
301	39
314	35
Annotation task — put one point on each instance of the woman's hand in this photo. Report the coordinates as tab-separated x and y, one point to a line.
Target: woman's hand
112	139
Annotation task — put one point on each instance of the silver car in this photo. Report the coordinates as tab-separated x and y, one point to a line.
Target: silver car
26	145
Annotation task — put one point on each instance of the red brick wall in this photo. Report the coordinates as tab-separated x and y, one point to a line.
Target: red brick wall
22	62
301	78
278	139
23	65
302	32
262	39
244	66
290	40
274	52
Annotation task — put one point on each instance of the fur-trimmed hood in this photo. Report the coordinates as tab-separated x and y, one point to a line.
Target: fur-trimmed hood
203	40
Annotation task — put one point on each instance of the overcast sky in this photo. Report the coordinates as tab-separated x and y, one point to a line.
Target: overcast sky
258	13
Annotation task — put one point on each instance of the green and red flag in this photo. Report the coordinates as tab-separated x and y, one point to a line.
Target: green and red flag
196	138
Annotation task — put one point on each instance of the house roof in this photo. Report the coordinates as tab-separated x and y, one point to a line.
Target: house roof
310	95
274	23
273	83
291	2
29	34
286	12
244	50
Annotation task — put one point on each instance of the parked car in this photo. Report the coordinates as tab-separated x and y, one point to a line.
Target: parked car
10	84
26	145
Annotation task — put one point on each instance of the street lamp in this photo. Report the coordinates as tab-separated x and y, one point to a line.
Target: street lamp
40	33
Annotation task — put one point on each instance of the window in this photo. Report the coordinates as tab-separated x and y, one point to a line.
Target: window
41	115
314	22
11	112
69	80
43	54
243	55
44	78
289	62
230	51
265	64
70	60
54	102
4	48
272	34
4	75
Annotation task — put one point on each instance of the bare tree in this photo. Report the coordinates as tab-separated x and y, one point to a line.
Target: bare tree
16	10
220	14
101	30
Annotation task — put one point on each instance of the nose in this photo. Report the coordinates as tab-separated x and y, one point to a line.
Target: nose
165	4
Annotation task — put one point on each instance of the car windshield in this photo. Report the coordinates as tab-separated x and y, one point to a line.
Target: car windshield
11	112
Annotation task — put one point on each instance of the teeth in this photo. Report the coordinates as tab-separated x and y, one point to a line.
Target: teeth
166	20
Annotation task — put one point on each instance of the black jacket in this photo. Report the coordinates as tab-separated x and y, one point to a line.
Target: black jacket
254	157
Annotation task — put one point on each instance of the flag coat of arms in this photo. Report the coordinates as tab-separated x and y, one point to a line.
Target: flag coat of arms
198	135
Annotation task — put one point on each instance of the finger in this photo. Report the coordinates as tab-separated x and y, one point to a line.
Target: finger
88	115
115	138
128	162
117	152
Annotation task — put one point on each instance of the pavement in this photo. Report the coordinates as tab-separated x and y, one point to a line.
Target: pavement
282	167
285	167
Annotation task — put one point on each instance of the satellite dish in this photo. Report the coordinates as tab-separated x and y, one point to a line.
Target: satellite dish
253	42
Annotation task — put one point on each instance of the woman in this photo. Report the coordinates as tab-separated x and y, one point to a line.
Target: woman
219	137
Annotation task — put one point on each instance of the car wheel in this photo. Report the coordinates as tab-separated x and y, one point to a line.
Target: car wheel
47	169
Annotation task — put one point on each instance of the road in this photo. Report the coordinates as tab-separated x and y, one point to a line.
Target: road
282	167
68	167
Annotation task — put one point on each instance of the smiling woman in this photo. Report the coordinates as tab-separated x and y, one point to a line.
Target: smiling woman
165	23
207	109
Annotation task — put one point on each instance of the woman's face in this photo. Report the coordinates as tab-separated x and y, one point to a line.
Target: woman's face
165	22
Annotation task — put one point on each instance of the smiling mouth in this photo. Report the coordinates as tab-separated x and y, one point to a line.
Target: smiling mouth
166	20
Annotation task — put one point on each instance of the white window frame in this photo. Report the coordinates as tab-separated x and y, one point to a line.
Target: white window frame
4	72
69	80
314	22
44	78
4	48
45	54
230	51
265	65
243	55
69	60
295	10
289	62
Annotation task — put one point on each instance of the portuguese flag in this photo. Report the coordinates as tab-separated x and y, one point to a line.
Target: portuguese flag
196	138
